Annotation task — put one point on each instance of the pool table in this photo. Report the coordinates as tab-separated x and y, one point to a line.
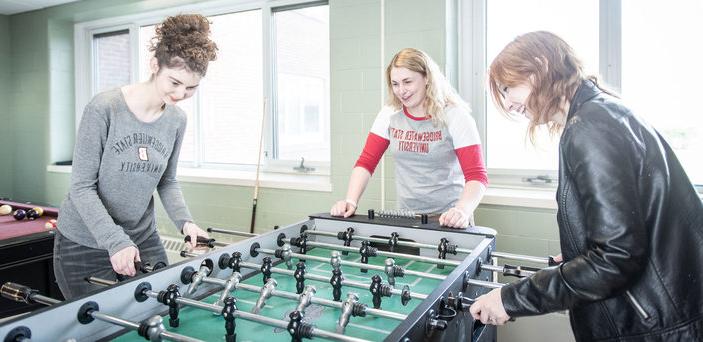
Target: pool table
26	255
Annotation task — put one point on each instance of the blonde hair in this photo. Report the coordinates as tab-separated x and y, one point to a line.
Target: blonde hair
439	93
549	65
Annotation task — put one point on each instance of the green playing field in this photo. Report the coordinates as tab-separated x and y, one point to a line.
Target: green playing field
207	326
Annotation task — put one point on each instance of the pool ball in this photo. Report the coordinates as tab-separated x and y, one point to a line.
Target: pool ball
5	209
39	210
19	214
31	214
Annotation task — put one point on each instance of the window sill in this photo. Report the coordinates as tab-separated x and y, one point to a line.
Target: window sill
520	197
288	181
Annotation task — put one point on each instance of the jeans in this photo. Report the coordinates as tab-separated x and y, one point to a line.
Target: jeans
73	263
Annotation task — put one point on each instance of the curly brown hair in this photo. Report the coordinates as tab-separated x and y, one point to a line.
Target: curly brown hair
183	41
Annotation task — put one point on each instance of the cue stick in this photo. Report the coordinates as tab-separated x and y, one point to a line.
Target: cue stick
258	166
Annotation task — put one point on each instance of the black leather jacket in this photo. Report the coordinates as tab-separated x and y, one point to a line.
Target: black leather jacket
631	231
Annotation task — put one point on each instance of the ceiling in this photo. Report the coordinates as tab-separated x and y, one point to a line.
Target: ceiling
8	7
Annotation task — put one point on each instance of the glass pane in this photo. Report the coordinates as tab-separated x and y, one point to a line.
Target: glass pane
146	33
232	92
660	73
303	83
112	62
507	144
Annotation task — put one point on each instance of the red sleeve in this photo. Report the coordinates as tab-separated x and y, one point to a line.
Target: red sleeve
372	153
471	161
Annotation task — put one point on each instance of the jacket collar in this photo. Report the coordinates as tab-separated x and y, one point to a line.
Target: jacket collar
585	92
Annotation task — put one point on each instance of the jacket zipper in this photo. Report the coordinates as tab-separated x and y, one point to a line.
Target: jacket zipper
637	305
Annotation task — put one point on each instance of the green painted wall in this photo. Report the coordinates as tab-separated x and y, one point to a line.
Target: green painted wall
6	134
29	106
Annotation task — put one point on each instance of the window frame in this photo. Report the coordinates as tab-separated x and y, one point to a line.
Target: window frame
85	77
472	83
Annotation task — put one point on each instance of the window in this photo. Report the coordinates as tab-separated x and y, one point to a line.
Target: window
111	53
660	73
303	84
507	144
615	40
225	115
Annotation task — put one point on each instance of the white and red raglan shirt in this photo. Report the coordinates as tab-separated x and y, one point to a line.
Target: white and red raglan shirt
432	163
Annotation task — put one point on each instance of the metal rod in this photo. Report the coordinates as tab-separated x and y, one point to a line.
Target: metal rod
315	300
186	254
100	281
231	232
257	318
135	326
44	300
378	240
384	253
535	259
355	264
325	280
511	256
487	284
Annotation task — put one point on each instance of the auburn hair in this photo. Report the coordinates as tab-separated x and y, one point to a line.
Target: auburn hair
549	66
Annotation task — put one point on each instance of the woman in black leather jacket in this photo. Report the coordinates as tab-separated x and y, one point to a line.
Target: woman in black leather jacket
630	221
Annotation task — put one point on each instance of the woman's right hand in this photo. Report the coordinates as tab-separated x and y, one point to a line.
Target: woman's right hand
343	208
123	261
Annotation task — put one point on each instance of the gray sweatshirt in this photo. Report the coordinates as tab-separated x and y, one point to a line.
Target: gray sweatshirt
118	162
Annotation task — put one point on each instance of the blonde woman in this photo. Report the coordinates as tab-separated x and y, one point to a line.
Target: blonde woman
429	131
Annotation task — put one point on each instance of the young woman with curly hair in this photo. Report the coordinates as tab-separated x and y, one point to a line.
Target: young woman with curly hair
127	146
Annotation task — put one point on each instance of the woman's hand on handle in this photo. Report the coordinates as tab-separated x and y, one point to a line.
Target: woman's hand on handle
489	309
191	229
123	261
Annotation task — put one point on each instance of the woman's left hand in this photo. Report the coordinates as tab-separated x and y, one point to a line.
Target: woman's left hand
455	218
489	309
191	229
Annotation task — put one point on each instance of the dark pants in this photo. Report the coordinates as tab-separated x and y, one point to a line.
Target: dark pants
74	262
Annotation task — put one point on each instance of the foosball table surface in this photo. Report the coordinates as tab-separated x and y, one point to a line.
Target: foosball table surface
209	327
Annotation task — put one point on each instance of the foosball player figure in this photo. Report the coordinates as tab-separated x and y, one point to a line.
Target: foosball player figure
266	268
169	297
297	328
444	247
228	313
366	252
393	241
234	262
376	291
299	276
336	282
346	236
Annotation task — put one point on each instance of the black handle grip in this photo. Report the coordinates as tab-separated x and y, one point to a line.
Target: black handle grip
202	241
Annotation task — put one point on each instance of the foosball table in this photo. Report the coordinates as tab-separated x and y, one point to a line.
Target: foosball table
375	277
